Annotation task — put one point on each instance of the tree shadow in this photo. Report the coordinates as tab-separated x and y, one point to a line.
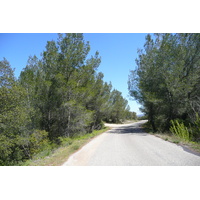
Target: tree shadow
187	149
128	130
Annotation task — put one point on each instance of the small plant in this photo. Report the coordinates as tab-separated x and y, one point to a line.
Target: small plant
43	154
75	147
65	141
180	130
175	141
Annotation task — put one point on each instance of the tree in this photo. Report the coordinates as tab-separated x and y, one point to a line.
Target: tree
117	107
59	86
13	116
167	74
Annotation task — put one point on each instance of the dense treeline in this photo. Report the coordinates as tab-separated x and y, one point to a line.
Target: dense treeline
59	95
167	82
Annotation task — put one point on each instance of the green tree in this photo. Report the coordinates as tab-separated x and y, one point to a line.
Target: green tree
167	75
117	107
59	86
13	116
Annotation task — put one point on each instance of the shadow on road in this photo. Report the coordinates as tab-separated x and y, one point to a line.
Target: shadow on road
187	149
128	130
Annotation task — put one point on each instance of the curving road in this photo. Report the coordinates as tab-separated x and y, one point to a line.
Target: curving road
128	145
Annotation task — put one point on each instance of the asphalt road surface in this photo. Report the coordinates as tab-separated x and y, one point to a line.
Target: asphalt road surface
129	145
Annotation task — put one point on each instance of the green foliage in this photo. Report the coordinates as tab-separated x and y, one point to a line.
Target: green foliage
38	141
189	132
143	117
195	128
5	149
13	116
75	147
56	98
180	130
118	109
166	80
65	141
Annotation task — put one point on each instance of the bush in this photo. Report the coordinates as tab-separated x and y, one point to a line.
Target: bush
65	141
6	147
39	141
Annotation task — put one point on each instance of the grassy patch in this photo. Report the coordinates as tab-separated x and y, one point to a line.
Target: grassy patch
60	155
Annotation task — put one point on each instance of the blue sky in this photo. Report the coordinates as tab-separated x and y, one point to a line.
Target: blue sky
118	52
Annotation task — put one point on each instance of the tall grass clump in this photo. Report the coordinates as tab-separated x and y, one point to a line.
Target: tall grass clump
180	130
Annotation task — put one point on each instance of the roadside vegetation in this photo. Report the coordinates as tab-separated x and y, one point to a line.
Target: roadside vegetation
166	82
194	146
59	154
57	97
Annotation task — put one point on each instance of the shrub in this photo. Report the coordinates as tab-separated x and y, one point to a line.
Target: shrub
39	141
65	141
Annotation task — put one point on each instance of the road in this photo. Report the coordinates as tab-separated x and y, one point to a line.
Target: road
129	145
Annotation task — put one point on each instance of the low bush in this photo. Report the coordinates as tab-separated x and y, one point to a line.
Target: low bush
39	141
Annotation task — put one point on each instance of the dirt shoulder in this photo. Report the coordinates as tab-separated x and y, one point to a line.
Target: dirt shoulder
192	147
